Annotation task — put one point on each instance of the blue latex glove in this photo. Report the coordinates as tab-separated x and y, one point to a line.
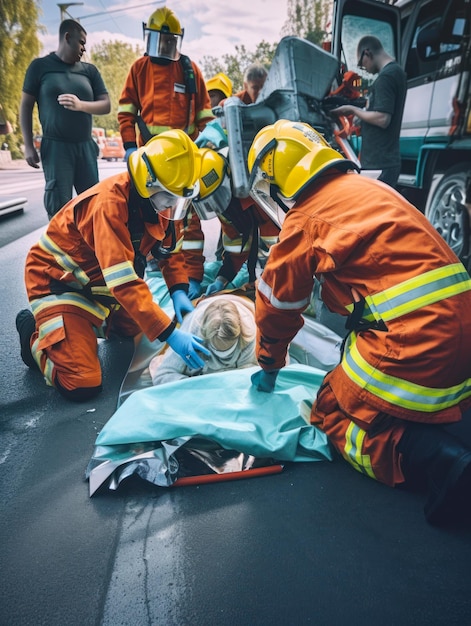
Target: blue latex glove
186	346
181	303
264	380
195	288
216	286
128	152
212	136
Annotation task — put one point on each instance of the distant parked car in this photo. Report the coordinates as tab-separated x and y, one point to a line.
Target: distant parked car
113	149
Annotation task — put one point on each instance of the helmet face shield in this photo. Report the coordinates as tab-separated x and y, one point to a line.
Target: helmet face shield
162	45
216	203
263	191
260	191
167	204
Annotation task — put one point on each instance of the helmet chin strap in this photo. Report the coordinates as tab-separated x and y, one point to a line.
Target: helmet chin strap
275	196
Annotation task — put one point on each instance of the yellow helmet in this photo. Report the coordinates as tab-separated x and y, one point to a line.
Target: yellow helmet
288	156
215	185
164	34
166	170
220	82
164	19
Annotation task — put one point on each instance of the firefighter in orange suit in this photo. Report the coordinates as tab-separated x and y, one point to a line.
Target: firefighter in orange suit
247	232
84	278
406	362
219	87
163	88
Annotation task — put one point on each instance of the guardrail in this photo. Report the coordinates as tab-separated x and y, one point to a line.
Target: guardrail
12	205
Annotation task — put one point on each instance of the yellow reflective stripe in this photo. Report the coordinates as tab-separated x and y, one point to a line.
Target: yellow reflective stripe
48	372
397	391
354	438
63	259
48	366
420	291
156	130
71	299
127	108
204	113
119	274
283	305
36	352
415	293
178	246
101	290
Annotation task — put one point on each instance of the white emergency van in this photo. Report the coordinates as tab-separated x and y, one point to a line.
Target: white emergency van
431	40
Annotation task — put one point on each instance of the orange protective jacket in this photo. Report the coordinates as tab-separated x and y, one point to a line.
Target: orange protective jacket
159	94
410	353
87	251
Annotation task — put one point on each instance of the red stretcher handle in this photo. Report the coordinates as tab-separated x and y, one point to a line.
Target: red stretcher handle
213	478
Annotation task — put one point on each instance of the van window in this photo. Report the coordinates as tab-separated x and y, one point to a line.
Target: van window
354	28
436	42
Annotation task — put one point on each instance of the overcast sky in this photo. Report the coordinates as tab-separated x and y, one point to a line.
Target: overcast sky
212	27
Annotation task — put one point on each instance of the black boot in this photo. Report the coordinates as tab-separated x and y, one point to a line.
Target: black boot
443	463
25	325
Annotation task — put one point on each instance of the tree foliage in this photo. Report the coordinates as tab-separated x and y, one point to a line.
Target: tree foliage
19	45
113	59
308	19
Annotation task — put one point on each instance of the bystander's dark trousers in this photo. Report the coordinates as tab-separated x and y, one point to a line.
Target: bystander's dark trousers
390	175
67	166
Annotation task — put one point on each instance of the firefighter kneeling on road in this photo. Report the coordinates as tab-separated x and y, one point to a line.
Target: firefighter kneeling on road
84	278
406	362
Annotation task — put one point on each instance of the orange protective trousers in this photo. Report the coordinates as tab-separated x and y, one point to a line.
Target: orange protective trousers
370	447
69	355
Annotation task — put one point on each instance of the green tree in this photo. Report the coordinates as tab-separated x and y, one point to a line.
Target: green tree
113	59
235	64
308	19
19	45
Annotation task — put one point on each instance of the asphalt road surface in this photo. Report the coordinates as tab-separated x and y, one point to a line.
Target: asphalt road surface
317	544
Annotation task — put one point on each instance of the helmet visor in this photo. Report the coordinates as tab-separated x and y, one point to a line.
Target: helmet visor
162	45
216	203
274	205
170	206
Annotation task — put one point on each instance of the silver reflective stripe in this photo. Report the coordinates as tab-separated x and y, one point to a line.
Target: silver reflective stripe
192	245
119	274
279	304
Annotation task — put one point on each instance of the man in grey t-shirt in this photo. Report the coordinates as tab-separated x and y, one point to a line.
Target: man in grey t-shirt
381	120
68	92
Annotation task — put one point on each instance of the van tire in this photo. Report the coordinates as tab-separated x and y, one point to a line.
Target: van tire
447	211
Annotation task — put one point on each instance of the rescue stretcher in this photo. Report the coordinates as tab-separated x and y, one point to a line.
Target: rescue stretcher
215	426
